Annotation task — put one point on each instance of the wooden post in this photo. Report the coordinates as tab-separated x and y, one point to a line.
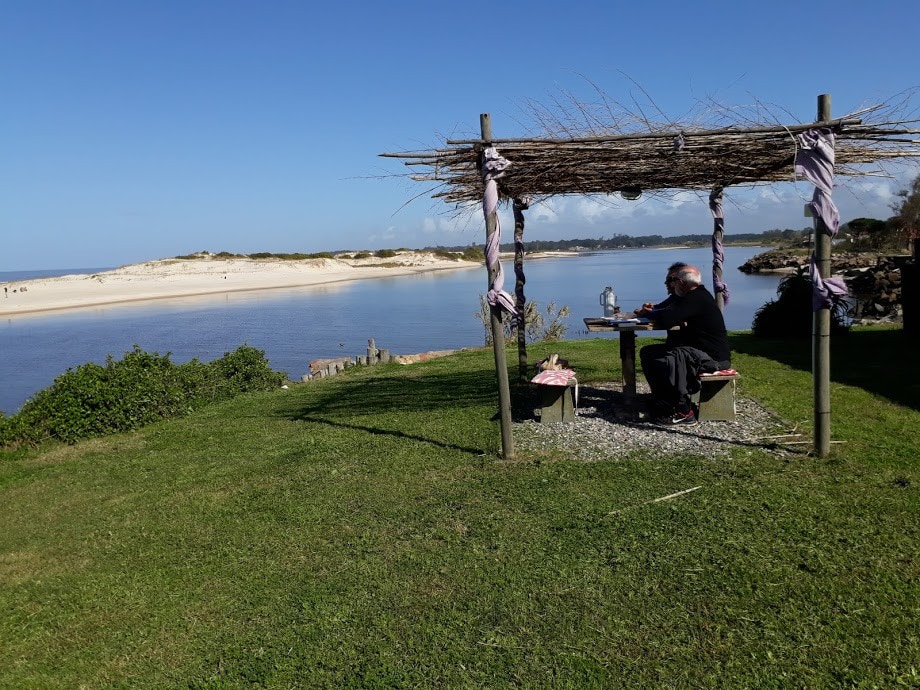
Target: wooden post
628	360
821	333
718	233
520	301
498	334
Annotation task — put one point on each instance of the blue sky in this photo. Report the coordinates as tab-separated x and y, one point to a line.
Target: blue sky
135	130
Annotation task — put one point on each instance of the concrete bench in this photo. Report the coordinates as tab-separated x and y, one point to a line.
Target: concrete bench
716	397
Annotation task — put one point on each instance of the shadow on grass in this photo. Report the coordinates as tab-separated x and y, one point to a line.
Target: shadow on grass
408	392
883	362
389	432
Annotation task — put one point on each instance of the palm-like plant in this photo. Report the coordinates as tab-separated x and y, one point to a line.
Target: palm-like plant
790	314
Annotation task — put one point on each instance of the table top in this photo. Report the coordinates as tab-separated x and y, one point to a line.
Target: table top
599	324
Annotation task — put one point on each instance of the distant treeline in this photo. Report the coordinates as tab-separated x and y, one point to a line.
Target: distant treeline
474	252
768	237
258	255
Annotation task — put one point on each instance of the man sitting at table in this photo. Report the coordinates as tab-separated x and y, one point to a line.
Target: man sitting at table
700	346
668	285
647	308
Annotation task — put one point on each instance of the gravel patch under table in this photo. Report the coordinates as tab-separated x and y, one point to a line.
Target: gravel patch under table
609	425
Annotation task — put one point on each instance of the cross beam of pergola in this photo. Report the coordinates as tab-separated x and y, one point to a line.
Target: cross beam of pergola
660	162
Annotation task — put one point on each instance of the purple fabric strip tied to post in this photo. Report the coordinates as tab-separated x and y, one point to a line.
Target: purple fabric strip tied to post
825	292
815	162
493	167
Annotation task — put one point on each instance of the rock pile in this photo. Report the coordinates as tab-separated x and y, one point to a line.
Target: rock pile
422	356
788	262
329	366
877	289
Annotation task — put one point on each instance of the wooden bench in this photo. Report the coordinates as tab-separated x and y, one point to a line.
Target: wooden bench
557	403
716	397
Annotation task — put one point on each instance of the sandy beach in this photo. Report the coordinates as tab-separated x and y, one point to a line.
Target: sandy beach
205	275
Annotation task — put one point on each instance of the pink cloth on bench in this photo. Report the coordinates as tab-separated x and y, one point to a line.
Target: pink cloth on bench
560	377
721	372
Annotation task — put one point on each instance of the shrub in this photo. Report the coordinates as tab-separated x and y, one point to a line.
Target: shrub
92	400
475	253
555	329
95	400
535	324
385	253
790	315
242	371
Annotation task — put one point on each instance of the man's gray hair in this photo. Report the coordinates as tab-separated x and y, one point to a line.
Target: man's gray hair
691	275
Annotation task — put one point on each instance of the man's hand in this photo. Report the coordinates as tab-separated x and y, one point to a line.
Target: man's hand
644	309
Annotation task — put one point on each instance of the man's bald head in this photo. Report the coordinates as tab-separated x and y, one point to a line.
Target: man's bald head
688	279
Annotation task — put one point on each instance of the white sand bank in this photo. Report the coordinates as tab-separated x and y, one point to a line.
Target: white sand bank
204	275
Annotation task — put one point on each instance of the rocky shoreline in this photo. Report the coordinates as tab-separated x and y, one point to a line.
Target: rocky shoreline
330	366
874	279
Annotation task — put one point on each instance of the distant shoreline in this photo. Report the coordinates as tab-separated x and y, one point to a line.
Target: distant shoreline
166	279
207	275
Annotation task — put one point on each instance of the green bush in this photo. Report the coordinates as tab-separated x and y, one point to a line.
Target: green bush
92	400
536	328
242	371
475	253
790	315
385	253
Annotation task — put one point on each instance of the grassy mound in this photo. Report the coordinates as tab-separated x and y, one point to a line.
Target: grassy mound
360	531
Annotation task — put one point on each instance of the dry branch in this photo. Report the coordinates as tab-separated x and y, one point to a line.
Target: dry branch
578	154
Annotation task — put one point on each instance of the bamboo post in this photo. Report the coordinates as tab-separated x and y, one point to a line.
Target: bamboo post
520	301
821	333
718	256
498	335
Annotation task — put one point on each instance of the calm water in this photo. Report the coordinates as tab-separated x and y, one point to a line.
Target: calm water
405	315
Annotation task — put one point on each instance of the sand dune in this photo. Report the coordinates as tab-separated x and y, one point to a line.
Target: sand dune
204	275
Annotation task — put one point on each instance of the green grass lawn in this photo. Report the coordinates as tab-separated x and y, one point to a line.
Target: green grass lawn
362	531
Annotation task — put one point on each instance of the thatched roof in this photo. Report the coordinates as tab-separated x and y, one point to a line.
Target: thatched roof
662	159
